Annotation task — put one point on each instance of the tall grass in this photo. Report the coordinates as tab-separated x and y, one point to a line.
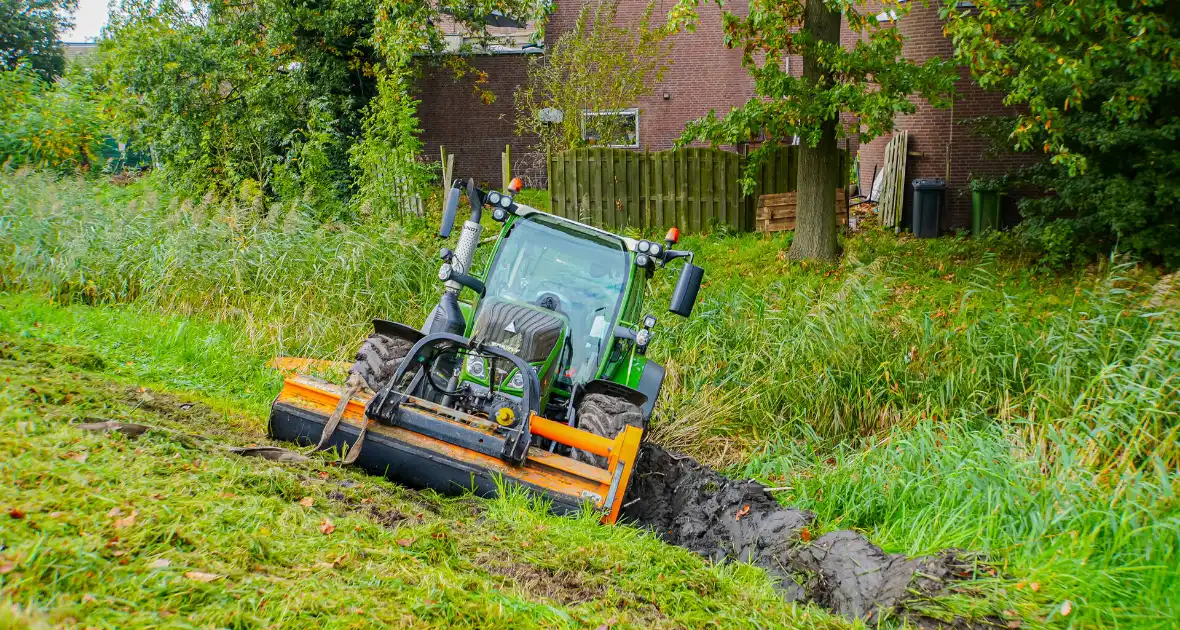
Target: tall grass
934	393
290	285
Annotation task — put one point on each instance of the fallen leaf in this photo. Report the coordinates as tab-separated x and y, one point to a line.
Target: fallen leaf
742	512
405	542
125	522
1015	623
306	501
805	535
1010	613
115	512
160	563
1066	608
16	513
78	457
323	474
326	527
56	514
201	576
7	567
325	565
1035	586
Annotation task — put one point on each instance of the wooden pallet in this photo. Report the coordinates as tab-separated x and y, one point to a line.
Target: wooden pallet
776	213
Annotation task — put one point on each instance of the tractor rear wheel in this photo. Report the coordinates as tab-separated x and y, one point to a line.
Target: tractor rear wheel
604	415
378	359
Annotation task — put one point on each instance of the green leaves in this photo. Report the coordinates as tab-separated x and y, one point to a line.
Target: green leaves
1098	87
869	80
48	126
598	66
30	32
305	101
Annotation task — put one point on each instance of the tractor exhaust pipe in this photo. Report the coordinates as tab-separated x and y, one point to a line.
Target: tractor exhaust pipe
446	316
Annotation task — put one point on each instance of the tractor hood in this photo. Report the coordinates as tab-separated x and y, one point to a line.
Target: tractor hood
533	333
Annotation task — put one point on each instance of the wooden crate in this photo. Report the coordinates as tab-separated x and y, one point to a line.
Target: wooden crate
776	213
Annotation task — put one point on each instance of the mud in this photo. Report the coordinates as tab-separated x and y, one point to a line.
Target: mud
692	506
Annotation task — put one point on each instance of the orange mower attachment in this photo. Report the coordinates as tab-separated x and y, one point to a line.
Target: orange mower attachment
452	452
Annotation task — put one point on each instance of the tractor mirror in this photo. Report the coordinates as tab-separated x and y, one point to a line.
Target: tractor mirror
684	296
450	208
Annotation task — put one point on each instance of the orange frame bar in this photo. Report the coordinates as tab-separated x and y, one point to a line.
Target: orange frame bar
565	434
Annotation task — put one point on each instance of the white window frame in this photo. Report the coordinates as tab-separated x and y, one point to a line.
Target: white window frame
618	112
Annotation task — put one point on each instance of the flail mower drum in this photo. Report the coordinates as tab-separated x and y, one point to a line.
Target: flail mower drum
541	381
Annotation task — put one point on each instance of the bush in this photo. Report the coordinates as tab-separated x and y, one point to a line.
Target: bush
48	125
1098	87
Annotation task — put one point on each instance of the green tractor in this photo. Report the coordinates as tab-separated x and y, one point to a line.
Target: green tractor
534	370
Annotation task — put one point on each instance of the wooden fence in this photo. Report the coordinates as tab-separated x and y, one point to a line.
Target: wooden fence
694	189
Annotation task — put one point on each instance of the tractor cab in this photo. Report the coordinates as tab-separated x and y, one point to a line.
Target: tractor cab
571	281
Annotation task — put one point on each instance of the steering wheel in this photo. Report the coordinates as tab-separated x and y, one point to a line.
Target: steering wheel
550	300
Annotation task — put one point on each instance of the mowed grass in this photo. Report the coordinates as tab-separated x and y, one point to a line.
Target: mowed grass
930	393
101	530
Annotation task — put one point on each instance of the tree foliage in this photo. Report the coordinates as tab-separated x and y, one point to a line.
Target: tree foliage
49	125
870	81
310	98
597	66
1099	84
30	33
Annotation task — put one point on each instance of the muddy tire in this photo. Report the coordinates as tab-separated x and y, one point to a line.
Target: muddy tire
606	416
378	360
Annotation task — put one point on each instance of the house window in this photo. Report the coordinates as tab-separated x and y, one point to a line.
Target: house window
611	129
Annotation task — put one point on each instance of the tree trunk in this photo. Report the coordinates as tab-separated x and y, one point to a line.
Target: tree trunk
815	213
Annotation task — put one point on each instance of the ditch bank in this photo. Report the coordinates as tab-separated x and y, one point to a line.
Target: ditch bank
695	507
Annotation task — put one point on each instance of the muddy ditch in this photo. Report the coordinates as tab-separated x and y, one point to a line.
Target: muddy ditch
695	507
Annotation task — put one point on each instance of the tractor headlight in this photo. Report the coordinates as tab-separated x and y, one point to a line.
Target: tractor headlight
476	367
641	260
517	380
505	202
494	198
643	246
654	249
500	214
642	338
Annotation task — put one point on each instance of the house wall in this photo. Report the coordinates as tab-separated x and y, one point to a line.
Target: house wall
703	73
948	147
452	114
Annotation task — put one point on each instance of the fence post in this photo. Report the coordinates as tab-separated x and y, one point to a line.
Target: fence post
506	165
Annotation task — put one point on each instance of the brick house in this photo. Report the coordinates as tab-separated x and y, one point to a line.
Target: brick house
941	142
705	75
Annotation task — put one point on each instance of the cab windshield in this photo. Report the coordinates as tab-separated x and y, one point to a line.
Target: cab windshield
568	269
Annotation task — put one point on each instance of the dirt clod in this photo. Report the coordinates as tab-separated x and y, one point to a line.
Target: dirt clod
693	506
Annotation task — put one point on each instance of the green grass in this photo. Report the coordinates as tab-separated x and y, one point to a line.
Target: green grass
107	531
930	393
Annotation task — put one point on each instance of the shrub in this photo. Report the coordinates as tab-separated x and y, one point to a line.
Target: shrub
48	125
